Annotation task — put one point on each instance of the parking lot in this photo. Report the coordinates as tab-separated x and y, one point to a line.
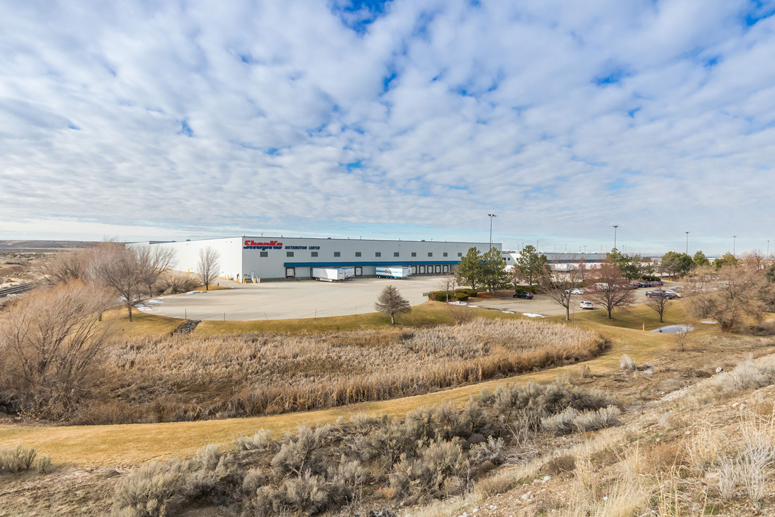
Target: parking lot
288	300
311	299
543	305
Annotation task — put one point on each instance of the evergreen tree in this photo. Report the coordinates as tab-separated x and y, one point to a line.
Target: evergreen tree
493	270
530	264
700	259
469	270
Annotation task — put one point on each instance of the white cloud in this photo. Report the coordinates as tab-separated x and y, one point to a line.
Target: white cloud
186	119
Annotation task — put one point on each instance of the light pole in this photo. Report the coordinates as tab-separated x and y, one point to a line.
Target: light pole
491	217
687	243
615	227
585	250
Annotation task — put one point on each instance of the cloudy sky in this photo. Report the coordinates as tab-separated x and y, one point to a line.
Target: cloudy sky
411	119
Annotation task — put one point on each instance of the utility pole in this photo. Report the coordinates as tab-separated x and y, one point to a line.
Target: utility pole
615	227
491	217
687	243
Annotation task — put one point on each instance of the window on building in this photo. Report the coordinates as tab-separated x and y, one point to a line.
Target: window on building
264	254
430	253
314	253
288	253
459	254
378	254
337	254
414	253
395	253
357	253
445	254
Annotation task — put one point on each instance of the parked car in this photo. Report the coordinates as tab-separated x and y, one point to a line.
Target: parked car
523	294
578	290
673	293
586	305
660	292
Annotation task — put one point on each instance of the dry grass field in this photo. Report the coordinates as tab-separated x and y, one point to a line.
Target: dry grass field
653	462
164	379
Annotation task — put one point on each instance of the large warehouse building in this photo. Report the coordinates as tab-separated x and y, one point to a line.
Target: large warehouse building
272	258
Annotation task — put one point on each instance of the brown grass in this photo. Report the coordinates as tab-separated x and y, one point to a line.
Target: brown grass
190	378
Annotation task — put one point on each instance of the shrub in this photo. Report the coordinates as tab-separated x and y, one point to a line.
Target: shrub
600	419
437	468
306	494
43	465
560	464
492	450
546	399
161	488
573	420
260	441
561	423
153	490
300	453
254	479
16	460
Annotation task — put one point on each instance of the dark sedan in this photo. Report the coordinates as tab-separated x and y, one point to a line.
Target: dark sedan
523	294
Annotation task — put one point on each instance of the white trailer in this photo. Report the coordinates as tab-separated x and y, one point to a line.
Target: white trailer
394	272
349	272
328	274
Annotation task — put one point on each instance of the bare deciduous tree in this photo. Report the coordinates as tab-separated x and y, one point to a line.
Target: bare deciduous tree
611	290
65	267
118	268
447	284
559	286
154	262
731	296
390	302
48	343
127	270
208	266
682	336
658	304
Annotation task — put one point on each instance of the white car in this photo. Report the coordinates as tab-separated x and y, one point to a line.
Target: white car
578	290
586	305
673	292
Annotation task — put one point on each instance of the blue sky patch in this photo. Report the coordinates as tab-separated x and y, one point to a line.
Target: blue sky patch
185	129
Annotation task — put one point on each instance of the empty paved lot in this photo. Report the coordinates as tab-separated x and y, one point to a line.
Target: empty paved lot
310	299
288	300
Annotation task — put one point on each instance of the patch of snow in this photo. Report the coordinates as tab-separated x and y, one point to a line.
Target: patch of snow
674	329
709	322
531	315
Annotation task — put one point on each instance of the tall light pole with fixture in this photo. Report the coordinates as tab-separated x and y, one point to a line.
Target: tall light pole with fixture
615	227
491	217
687	243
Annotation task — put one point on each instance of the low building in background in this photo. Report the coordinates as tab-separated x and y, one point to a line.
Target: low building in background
249	258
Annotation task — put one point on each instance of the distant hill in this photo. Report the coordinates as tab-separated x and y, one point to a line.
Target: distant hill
44	245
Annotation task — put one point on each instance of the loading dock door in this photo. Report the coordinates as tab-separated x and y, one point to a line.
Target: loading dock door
422	270
414	270
445	269
290	272
358	271
438	269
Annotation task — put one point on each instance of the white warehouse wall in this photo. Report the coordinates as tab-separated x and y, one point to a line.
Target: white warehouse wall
187	254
